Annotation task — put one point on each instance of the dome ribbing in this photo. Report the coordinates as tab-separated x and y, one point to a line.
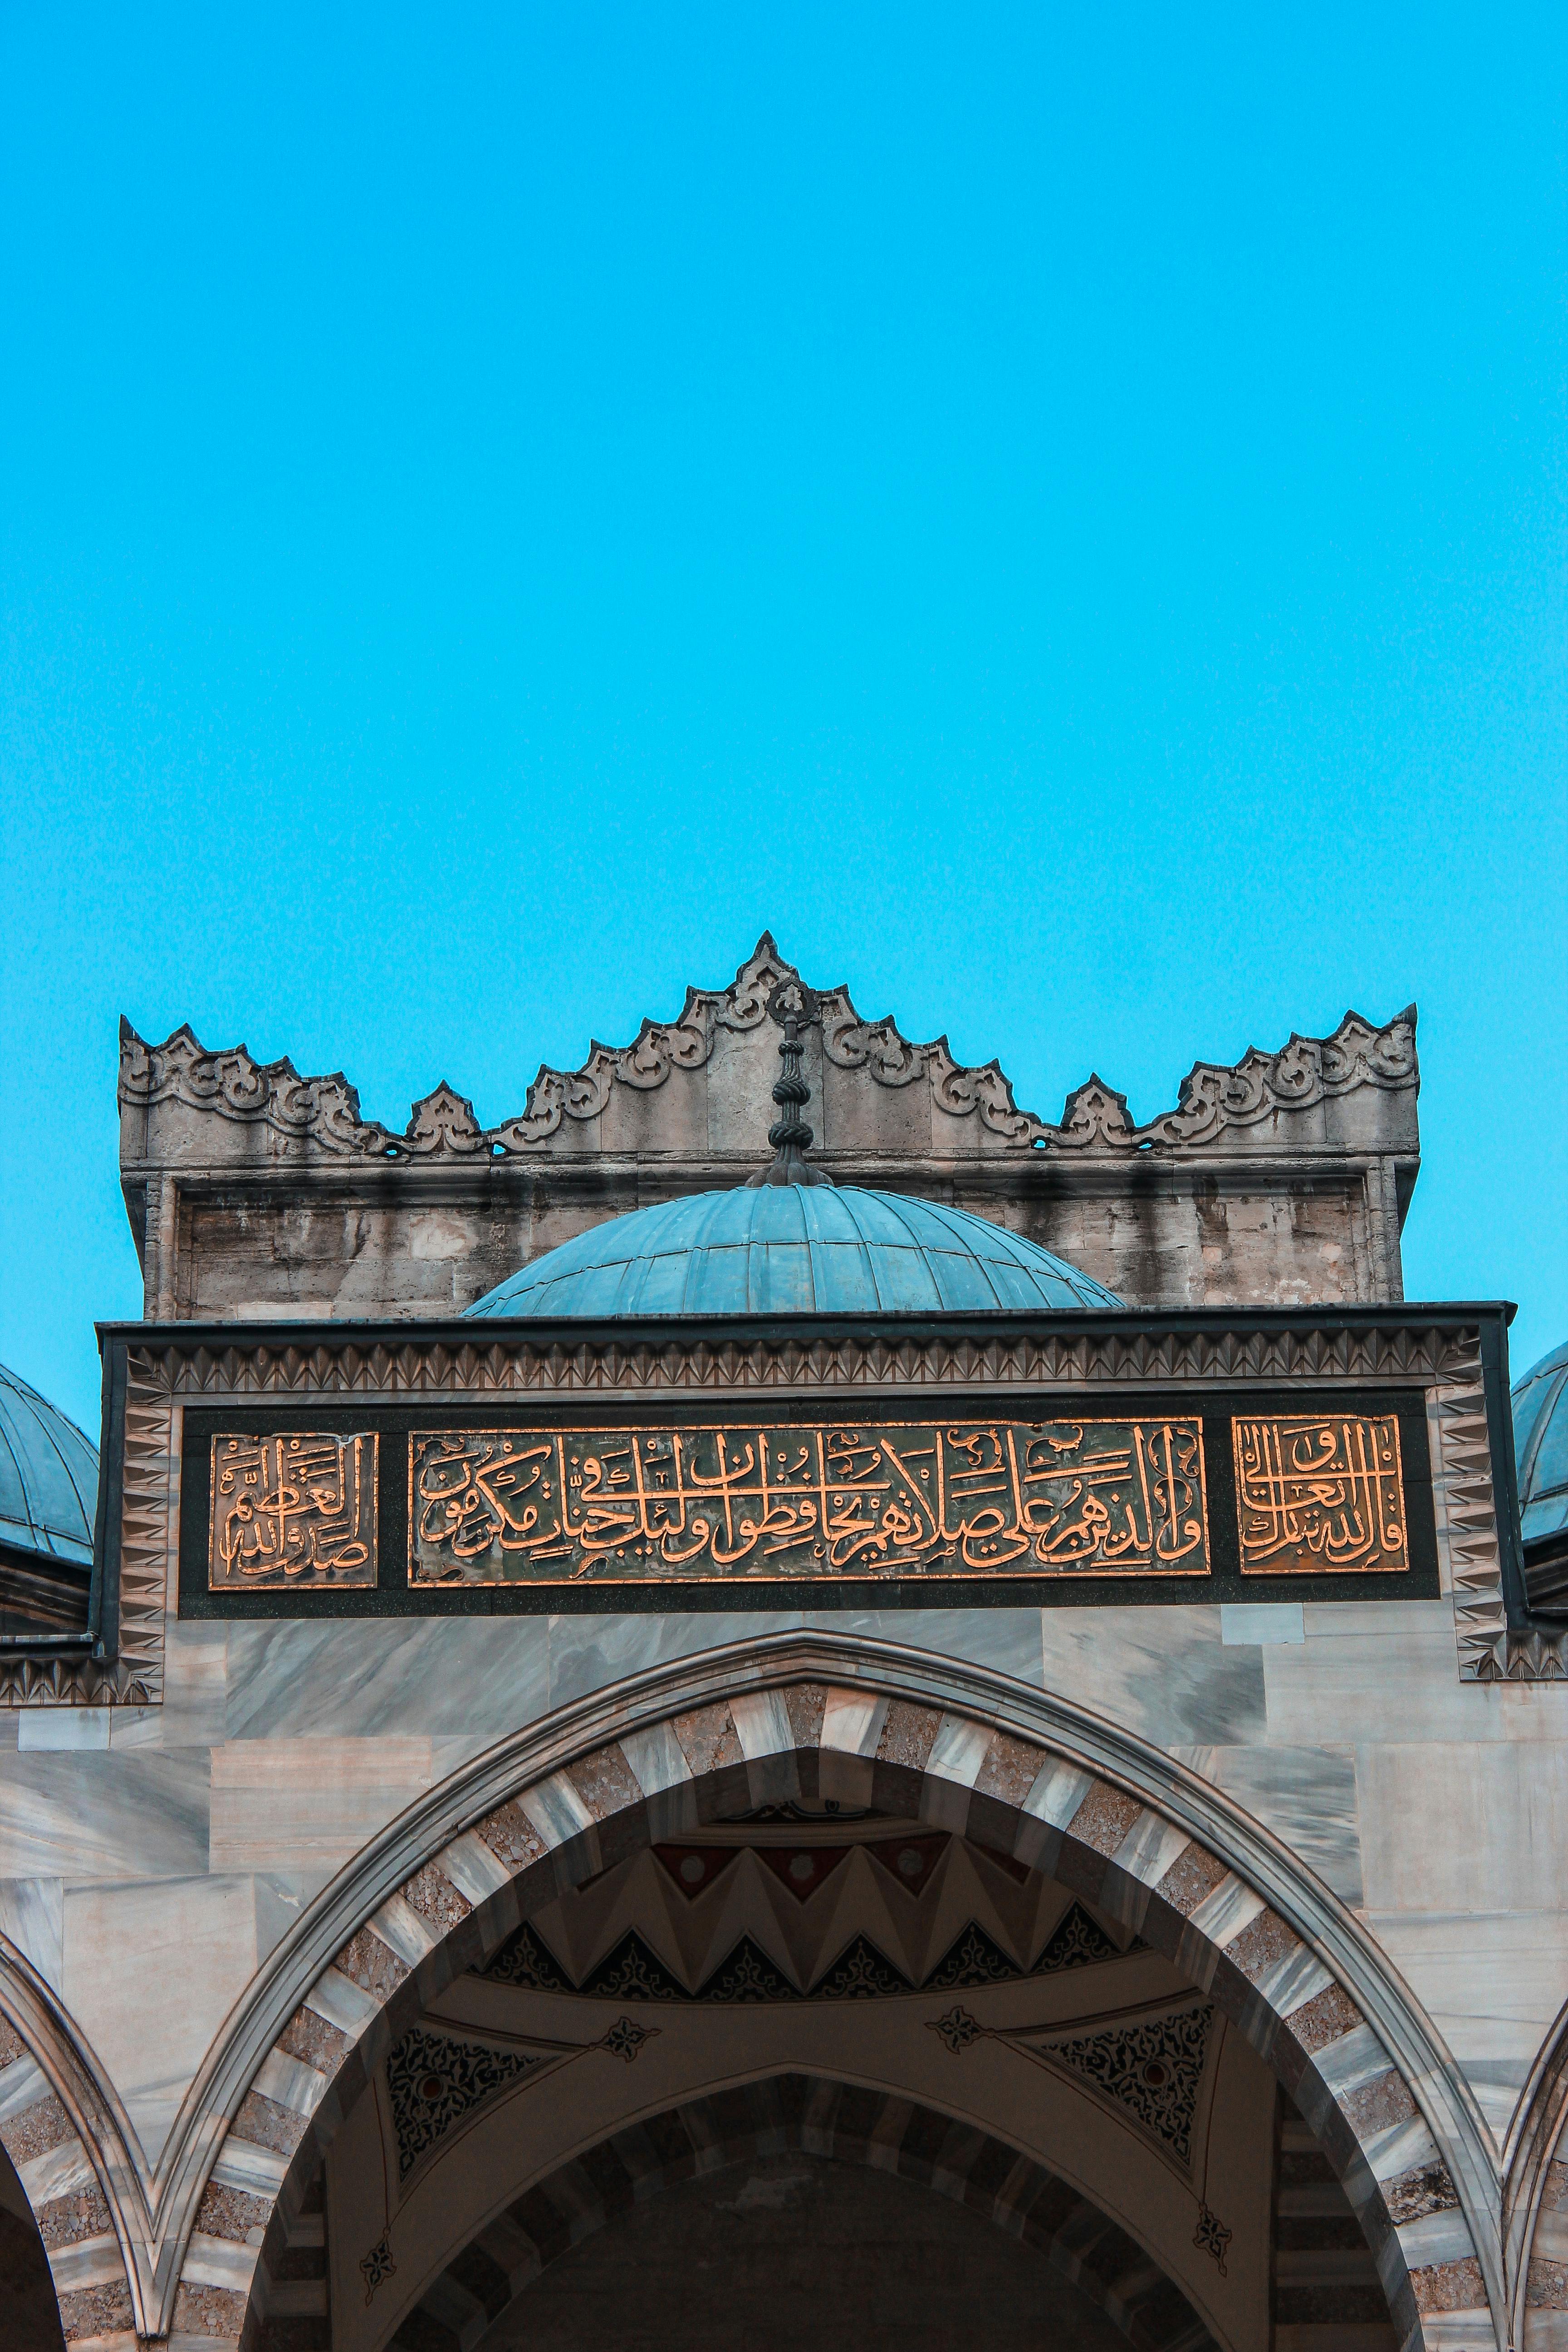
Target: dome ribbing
1541	1445
794	1250
49	1477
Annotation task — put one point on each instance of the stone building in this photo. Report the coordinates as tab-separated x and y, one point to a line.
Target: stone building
778	1702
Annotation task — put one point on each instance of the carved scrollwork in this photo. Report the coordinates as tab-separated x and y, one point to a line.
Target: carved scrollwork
874	1045
324	1112
232	1083
1305	1071
443	1123
1095	1117
879	1048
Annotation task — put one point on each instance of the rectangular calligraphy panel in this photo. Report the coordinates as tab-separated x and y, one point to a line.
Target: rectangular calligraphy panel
292	1512
637	1504
1319	1493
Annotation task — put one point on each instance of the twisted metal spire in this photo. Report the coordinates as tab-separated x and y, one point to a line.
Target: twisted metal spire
794	1007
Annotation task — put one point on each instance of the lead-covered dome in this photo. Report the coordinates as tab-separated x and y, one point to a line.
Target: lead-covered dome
794	1249
1540	1446
48	1477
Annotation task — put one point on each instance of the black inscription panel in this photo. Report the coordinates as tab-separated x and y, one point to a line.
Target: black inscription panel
959	1498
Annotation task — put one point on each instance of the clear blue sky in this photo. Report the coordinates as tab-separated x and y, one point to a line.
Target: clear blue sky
1059	513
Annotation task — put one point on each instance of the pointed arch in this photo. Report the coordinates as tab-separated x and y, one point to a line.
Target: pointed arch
831	1716
822	2117
70	2142
1535	2199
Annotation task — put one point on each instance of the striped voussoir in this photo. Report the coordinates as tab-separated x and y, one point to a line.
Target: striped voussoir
1546	2280
813	1742
819	2118
69	2204
1327	2293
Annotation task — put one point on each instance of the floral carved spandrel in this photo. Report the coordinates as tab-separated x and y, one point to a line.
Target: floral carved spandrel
297	1509
1319	1493
435	2080
973	1498
1152	2069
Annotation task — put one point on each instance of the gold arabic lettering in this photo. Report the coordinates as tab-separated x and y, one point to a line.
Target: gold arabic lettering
1319	1493
298	1507
970	1499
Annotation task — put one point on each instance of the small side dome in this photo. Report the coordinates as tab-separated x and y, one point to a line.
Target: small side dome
48	1477
1541	1445
794	1249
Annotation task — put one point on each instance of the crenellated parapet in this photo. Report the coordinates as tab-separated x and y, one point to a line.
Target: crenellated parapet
255	1189
322	1115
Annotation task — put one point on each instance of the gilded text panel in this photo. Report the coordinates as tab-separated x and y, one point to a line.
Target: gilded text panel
1320	1492
292	1512
977	1498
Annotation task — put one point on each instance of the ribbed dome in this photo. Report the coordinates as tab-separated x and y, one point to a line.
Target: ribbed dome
794	1249
49	1477
1540	1444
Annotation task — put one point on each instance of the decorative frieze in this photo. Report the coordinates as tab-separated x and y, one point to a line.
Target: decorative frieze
323	1114
651	1502
168	1376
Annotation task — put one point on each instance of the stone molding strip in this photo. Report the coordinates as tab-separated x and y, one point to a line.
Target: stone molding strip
148	1542
818	2117
1064	1789
323	1114
197	1360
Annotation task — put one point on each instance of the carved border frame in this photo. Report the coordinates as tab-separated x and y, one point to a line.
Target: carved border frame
1442	1351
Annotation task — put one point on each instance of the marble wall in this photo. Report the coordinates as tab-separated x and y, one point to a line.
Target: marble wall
149	1858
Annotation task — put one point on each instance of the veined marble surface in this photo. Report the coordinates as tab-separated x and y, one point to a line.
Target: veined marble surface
149	1859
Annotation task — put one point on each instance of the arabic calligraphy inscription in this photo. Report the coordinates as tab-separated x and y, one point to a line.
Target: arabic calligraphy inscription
1319	1493
291	1511
970	1498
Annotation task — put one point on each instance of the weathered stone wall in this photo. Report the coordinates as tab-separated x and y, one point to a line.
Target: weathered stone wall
255	1194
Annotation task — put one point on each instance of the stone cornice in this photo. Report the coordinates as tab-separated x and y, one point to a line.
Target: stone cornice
1155	1347
320	1116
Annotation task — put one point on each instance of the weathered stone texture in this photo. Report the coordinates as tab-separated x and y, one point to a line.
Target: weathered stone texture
253	1191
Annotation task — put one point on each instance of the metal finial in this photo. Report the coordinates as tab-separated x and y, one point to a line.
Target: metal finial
794	1007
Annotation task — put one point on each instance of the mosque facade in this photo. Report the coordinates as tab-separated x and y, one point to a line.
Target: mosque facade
780	1702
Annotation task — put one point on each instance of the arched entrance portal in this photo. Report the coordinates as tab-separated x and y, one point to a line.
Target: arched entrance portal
1055	1793
761	2214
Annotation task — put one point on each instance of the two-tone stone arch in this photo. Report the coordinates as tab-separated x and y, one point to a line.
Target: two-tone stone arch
809	1719
68	2141
1535	2200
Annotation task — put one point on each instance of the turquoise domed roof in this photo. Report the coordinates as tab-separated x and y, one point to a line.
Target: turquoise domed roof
794	1249
1541	1445
49	1477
